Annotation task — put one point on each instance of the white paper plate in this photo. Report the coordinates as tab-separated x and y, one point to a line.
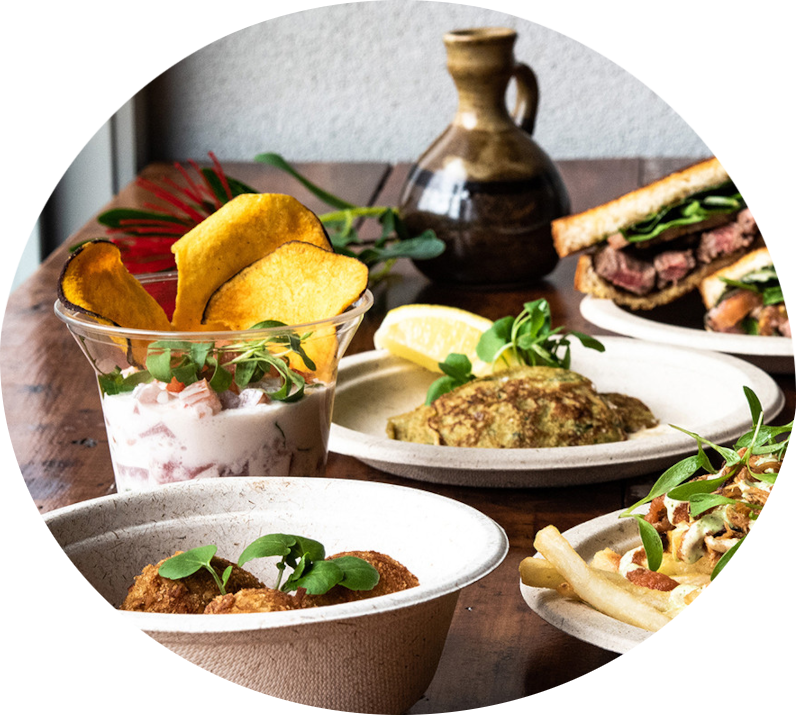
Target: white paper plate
772	353
576	618
699	391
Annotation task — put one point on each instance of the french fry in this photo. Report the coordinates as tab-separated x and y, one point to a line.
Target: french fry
539	573
602	593
660	600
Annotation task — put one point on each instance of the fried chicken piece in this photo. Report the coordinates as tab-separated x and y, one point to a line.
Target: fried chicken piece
393	577
155	594
254	600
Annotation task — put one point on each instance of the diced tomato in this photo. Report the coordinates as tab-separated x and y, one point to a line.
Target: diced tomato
175	386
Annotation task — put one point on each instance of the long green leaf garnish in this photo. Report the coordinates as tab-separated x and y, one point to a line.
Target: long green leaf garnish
277	161
678	483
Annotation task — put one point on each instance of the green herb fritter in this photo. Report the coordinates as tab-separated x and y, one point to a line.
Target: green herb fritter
523	407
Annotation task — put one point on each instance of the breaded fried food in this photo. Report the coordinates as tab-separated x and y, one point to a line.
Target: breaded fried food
516	408
152	593
393	577
254	600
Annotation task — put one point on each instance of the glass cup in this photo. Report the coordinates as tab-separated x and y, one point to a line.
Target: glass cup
194	405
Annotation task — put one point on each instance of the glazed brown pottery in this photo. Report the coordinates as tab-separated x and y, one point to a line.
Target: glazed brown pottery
485	186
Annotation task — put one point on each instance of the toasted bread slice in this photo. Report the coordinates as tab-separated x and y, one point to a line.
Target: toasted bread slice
712	287
580	231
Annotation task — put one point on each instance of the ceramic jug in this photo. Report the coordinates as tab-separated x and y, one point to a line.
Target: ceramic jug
485	186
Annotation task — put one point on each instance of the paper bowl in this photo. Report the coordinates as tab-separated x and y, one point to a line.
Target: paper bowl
376	655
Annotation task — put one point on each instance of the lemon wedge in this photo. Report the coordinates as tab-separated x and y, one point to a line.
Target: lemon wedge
427	334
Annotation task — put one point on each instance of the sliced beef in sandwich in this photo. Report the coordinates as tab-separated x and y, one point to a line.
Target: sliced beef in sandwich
659	242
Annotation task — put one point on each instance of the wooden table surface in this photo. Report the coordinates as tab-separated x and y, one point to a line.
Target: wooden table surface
497	649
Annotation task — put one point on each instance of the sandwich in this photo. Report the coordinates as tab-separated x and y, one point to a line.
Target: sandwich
657	243
746	297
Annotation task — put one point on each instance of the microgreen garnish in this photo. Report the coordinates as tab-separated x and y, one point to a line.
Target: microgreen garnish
113	383
318	577
457	371
678	483
292	550
244	362
191	360
190	562
310	570
529	339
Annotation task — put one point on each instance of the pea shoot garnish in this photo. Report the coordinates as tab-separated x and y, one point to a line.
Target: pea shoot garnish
527	339
530	339
309	569
190	562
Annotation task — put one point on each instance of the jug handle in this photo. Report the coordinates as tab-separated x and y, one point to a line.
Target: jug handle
527	97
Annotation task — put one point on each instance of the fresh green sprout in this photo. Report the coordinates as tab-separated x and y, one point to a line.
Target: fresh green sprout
304	557
190	562
247	363
527	339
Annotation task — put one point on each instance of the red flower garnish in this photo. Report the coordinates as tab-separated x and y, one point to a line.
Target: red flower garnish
145	235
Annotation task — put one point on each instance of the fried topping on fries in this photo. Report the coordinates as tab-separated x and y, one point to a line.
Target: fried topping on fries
698	516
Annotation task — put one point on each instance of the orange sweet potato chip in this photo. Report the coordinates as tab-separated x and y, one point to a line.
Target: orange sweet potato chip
241	232
297	283
95	281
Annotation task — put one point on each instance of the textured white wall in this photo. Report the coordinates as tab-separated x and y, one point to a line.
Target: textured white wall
367	81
